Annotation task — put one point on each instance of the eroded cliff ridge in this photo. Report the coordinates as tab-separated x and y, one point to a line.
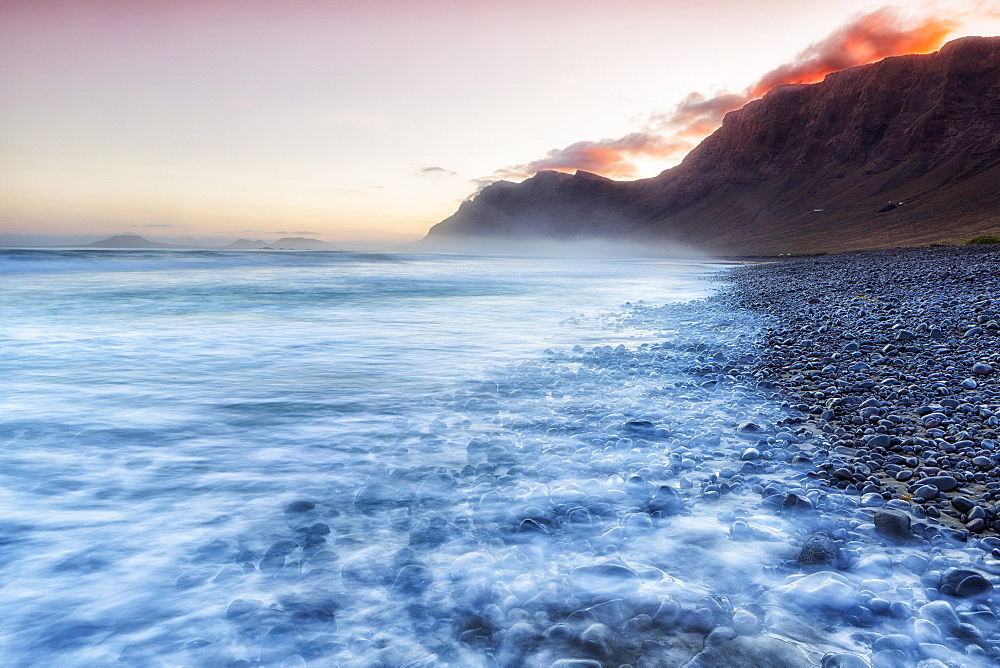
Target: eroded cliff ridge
902	152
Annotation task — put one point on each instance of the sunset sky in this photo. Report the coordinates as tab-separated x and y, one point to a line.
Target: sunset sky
369	121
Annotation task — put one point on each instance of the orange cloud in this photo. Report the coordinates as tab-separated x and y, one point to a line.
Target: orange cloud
870	37
609	157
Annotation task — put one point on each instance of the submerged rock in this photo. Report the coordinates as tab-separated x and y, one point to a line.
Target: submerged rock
818	550
820	590
751	652
605	579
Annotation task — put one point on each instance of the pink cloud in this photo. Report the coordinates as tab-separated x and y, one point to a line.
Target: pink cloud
868	38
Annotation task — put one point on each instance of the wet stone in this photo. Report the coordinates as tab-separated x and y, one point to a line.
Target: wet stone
944	483
794	503
300	506
746	623
872	500
889	658
892	523
818	550
751	652
964	583
412	580
896	641
825	590
962	504
879	441
835	660
605	579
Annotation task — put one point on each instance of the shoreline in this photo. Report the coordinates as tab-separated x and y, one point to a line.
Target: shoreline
891	357
651	490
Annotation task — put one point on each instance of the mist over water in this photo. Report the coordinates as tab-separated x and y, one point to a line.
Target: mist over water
288	459
536	240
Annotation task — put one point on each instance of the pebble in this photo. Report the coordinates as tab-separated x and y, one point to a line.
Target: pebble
818	550
962	504
892	523
746	623
977	525
835	660
751	652
964	583
944	483
879	441
823	589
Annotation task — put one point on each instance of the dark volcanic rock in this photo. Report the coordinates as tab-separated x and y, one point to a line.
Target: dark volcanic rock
818	550
892	523
965	584
807	168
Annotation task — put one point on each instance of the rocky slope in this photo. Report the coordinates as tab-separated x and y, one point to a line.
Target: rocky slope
901	152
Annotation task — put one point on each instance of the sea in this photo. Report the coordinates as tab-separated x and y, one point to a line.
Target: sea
239	459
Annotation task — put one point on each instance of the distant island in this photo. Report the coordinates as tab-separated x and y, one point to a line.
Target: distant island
248	244
134	241
902	152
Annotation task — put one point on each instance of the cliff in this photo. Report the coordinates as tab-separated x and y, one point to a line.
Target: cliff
901	152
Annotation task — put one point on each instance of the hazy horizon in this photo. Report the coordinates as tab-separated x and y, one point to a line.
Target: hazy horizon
28	240
486	246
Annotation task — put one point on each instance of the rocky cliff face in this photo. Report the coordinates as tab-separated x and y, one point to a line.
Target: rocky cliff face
807	168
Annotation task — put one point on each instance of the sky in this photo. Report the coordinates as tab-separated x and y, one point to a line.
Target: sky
367	122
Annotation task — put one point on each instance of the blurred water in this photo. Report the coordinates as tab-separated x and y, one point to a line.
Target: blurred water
339	459
155	402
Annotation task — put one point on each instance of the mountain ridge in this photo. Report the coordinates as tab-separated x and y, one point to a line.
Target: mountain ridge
807	168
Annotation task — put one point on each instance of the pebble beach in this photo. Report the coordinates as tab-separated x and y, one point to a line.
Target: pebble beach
893	356
888	362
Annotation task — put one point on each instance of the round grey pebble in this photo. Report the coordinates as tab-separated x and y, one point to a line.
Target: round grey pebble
944	483
892	523
844	661
872	500
745	622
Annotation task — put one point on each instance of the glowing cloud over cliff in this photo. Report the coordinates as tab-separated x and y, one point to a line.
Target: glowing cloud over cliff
868	38
668	135
607	156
